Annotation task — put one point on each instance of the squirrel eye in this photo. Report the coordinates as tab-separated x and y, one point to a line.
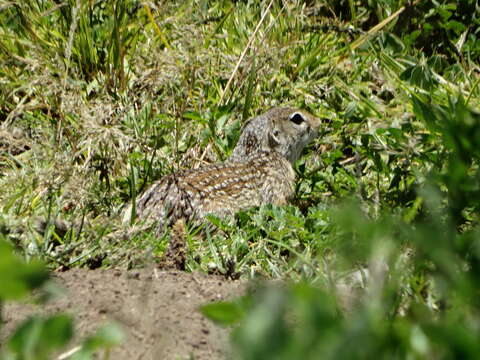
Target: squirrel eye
297	118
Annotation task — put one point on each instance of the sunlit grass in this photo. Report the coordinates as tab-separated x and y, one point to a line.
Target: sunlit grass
105	98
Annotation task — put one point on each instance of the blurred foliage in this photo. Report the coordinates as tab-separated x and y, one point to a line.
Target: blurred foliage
38	337
16	277
420	298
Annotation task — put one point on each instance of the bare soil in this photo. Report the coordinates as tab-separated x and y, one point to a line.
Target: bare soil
158	310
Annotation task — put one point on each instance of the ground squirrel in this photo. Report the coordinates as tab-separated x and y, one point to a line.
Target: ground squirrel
258	172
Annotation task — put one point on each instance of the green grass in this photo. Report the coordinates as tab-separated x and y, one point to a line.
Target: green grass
106	100
99	99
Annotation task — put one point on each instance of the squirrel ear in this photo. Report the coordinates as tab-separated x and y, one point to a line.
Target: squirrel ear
273	140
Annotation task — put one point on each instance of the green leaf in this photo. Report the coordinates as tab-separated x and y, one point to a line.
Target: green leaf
224	313
419	75
37	337
17	278
106	337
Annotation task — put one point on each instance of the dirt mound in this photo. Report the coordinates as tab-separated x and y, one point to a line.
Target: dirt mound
158	310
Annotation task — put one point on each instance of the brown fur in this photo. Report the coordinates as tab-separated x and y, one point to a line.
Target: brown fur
258	172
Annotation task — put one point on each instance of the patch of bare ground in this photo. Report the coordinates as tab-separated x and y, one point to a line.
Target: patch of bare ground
158	310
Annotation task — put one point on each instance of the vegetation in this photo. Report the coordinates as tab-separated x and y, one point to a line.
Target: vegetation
39	337
100	98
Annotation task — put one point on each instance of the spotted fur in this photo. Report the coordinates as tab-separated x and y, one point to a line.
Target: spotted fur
258	172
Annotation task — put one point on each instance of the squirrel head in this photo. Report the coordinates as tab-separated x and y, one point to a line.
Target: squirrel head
284	130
